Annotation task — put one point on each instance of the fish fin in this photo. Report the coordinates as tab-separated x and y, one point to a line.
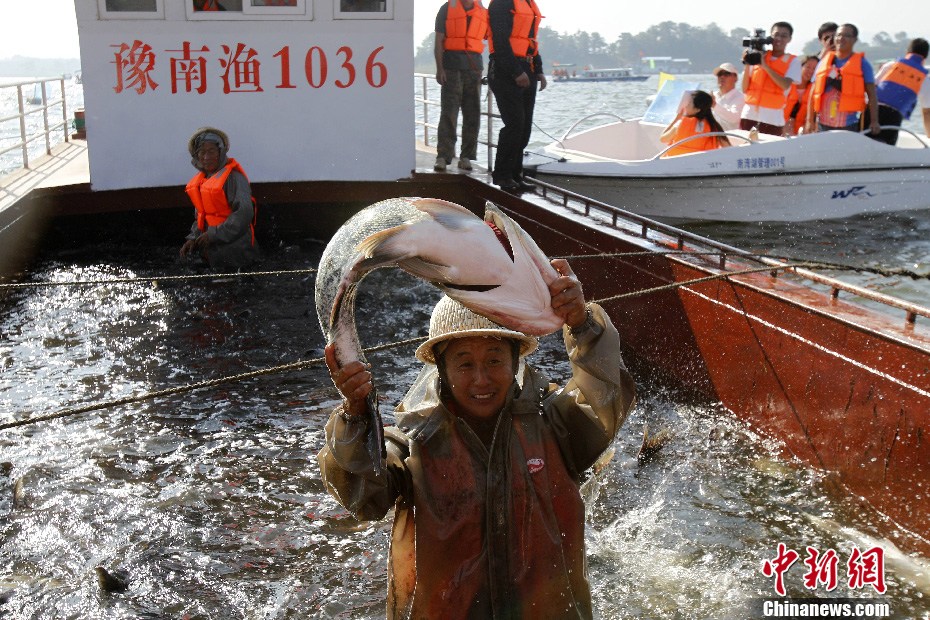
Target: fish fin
652	444
431	272
448	214
383	244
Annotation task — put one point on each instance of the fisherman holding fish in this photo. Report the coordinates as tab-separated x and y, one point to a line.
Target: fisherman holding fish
484	465
223	233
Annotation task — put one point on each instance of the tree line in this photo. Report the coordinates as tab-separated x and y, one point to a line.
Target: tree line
706	46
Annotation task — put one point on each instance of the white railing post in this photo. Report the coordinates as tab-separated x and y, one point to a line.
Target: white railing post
48	142
64	111
22	125
425	85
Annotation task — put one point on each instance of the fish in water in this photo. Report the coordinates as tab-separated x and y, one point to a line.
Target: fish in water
652	444
504	277
19	494
117	581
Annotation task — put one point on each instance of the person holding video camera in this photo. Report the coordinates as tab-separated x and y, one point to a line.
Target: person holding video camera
843	82
767	76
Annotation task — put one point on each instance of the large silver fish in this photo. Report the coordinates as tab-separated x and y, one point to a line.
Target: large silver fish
447	245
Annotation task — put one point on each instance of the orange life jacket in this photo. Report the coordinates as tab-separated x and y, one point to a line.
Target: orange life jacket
800	97
464	34
763	91
804	99
209	197
906	75
526	18
852	97
210	5
691	126
790	99
900	85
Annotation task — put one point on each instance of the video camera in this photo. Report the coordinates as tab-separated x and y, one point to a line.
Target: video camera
756	44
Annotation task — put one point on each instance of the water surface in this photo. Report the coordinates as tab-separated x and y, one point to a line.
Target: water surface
212	503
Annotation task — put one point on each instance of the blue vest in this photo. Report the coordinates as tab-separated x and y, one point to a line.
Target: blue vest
901	97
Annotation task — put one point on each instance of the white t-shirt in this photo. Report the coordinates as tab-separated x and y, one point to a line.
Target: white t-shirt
773	116
728	107
923	97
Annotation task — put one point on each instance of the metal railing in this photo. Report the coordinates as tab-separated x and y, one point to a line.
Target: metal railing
684	241
40	99
488	114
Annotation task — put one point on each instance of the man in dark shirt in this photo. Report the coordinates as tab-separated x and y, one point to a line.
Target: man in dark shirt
514	70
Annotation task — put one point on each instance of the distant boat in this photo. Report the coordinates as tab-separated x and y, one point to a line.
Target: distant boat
590	74
36	97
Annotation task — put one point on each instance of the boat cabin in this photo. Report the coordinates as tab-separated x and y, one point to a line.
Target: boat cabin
306	89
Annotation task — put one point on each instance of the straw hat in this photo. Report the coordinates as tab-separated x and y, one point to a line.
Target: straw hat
192	146
453	320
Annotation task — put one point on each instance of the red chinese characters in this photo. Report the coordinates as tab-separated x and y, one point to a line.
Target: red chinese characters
779	566
863	568
188	69
242	67
821	569
239	68
134	64
867	569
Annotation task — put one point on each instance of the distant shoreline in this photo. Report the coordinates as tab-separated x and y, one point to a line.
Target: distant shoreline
27	67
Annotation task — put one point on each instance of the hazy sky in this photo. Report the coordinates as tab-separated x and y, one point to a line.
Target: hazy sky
46	28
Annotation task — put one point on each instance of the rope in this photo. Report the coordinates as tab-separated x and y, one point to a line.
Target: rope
819	264
719	276
808	263
308	363
319	360
548	135
205	276
194	386
811	264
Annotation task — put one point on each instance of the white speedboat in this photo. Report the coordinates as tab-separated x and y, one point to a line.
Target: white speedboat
765	178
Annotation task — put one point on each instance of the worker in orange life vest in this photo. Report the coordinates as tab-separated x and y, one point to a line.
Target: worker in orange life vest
515	72
902	85
223	232
461	30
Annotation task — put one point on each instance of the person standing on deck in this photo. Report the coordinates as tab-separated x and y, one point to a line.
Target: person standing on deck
482	469
766	84
514	71
461	30
843	83
223	233
901	86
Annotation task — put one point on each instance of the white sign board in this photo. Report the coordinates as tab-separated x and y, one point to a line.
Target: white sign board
322	94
